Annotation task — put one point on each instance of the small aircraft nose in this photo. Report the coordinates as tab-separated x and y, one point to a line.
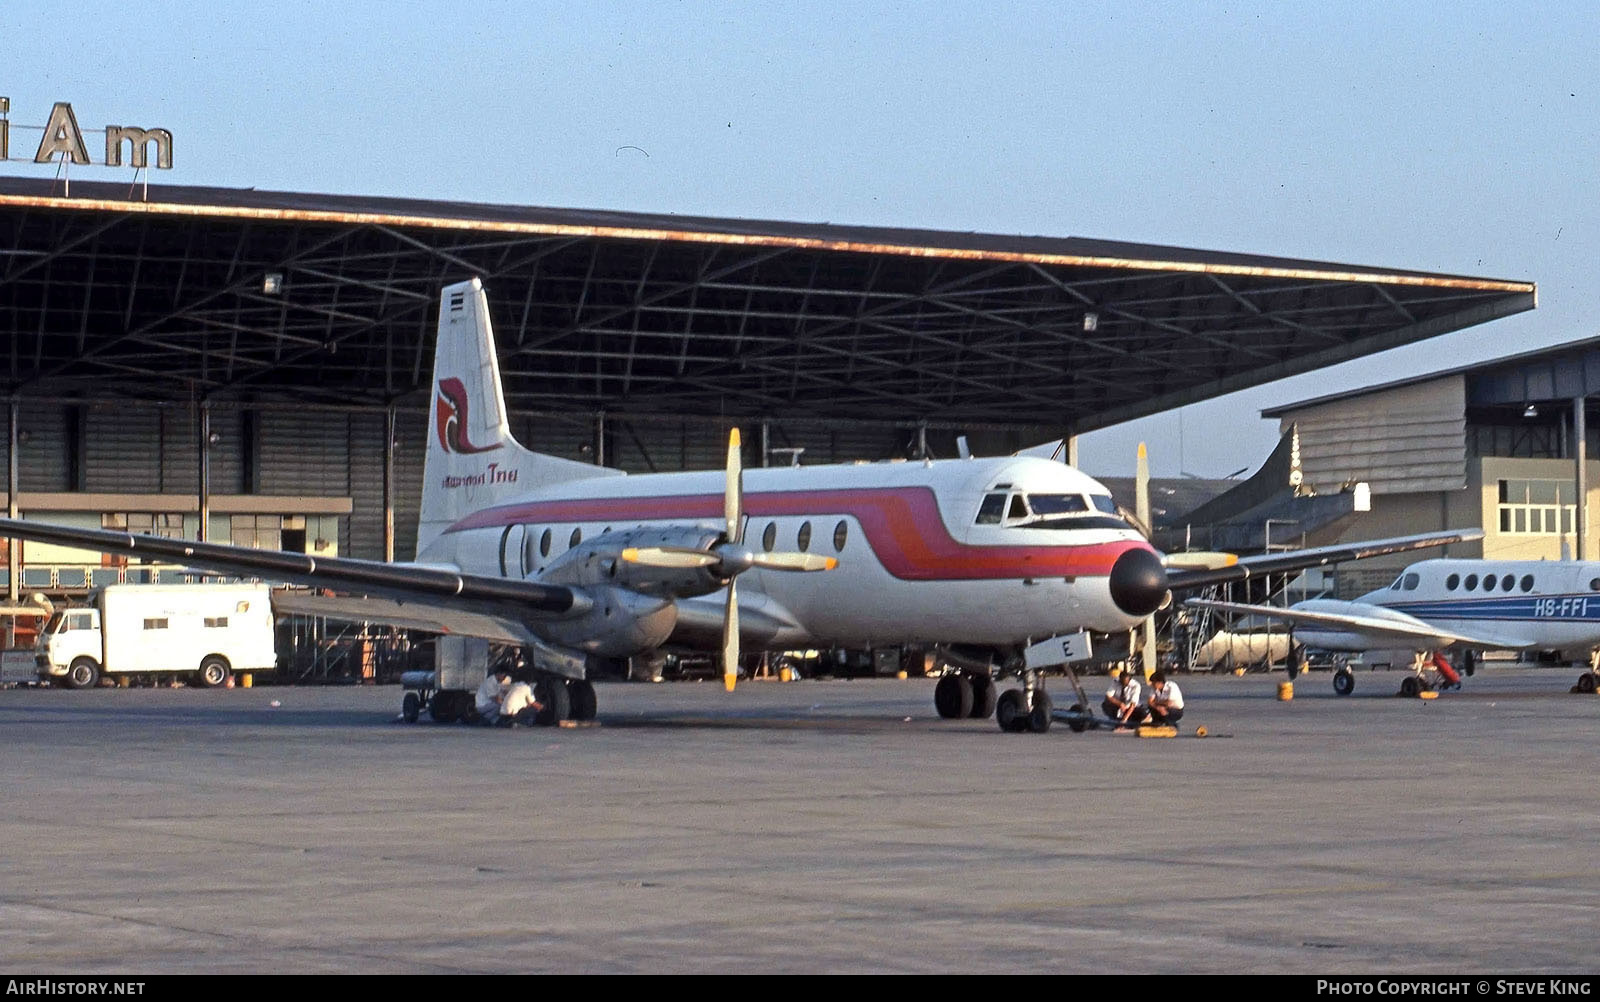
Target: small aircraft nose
1138	582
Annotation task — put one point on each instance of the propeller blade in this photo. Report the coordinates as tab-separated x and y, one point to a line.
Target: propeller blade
668	556
730	639
1199	560
1141	488
795	562
733	499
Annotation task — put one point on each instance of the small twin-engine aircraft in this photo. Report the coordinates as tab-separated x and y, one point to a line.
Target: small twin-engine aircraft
1018	558
1467	605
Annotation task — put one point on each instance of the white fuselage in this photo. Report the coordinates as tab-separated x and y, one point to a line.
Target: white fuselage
1537	604
947	551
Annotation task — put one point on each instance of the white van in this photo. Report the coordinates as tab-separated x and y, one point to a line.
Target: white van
204	632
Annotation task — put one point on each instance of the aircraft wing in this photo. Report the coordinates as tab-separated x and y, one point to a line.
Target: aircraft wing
438	587
1383	624
1321	556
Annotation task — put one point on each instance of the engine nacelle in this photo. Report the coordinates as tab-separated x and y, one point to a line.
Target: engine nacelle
619	624
598	562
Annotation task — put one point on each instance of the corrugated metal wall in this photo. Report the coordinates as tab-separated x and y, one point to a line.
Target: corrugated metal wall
43	460
1410	438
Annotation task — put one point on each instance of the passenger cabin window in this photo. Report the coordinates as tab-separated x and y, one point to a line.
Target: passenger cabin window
544	544
1452	582
769	536
1507	582
1527	582
841	532
804	537
1410	582
1472	581
575	538
992	509
1488	582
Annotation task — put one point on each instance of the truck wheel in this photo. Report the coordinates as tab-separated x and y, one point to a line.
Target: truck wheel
83	674
411	707
213	671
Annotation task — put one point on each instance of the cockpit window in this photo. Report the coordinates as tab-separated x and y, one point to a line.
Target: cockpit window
1057	504
1019	508
992	509
1104	502
1410	582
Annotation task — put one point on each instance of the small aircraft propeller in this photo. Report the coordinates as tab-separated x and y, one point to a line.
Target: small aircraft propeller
729	558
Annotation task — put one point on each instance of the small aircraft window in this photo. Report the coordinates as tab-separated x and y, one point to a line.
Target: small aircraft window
804	537
1472	581
1396	585
1452	582
544	544
1411	581
841	532
1527	582
993	507
1019	507
1104	502
1488	582
769	536
576	538
1594	584
1507	582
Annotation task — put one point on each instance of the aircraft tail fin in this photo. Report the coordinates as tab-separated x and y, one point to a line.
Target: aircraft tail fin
473	460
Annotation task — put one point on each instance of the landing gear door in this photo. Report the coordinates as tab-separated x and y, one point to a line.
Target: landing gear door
1068	649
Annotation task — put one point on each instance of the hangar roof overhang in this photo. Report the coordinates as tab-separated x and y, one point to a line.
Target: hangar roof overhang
163	294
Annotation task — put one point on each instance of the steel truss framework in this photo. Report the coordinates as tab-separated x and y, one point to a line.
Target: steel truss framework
253	297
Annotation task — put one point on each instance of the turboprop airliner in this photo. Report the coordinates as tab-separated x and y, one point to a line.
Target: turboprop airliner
1017	558
1468	605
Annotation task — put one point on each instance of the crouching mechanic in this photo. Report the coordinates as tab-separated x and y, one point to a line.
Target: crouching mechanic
519	707
1166	700
1122	699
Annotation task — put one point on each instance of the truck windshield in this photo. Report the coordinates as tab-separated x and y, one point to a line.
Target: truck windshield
53	624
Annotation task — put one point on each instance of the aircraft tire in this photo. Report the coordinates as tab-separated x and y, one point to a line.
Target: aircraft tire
580	694
411	707
1011	712
1411	686
984	695
1344	682
1078	724
1587	682
952	697
551	692
1039	717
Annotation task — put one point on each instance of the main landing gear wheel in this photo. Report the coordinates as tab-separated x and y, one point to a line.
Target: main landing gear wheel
580	694
1039	716
952	697
984	695
1011	711
1587	683
1344	682
552	695
1411	686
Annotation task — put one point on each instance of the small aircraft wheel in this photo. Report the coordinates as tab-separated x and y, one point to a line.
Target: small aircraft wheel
1077	723
1344	682
1586	682
580	694
1411	686
411	707
83	674
952	697
551	693
984	694
1039	718
1011	712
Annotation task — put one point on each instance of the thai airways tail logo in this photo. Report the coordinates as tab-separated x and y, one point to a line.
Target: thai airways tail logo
450	417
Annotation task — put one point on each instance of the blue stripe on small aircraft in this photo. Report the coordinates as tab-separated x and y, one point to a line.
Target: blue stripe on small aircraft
1519	607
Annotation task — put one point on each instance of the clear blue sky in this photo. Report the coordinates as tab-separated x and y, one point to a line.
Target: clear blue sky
1460	138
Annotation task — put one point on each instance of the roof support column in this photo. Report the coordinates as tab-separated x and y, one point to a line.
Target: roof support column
205	472
388	485
600	438
13	509
1072	451
1581	453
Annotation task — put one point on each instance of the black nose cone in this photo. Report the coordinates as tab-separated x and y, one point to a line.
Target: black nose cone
1138	582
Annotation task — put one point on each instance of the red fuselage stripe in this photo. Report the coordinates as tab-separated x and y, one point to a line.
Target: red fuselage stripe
902	525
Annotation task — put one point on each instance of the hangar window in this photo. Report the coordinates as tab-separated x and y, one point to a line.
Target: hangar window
804	537
544	544
769	536
841	532
1410	581
993	507
1472	581
1542	507
1508	582
576	538
1527	582
1452	582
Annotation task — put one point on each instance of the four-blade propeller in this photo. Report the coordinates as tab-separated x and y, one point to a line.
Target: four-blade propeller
729	558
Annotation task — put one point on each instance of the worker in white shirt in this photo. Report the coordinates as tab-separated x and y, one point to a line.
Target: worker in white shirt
520	707
1122	699
1166	700
492	693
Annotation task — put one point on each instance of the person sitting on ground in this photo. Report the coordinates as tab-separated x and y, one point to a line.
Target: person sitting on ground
1166	700
492	693
519	708
1122	699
